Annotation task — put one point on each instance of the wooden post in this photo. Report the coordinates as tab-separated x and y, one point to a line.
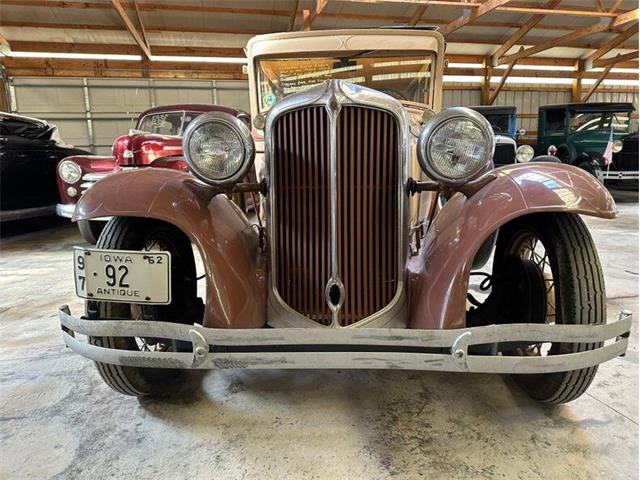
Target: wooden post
576	84
5	101
485	88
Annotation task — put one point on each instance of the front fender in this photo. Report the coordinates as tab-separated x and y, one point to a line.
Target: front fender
439	275
227	243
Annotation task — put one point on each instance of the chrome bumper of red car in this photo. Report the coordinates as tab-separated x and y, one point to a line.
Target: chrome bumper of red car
329	348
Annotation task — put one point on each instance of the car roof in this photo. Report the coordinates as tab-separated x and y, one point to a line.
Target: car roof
22	118
192	107
594	107
495	109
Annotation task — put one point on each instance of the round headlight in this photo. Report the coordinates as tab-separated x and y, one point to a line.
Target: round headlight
456	145
69	171
218	148
524	153
616	146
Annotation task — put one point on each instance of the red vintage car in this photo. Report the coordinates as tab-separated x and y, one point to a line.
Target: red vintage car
155	142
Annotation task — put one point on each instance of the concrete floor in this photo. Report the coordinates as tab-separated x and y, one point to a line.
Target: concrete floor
58	420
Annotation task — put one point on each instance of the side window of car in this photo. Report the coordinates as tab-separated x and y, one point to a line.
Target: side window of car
555	121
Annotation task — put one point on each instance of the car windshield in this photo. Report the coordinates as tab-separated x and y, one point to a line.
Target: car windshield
404	77
501	123
618	122
166	123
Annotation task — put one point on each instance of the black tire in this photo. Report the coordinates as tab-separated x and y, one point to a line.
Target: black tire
134	234
579	297
566	154
91	230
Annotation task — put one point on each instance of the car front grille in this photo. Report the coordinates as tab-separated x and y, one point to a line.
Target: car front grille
365	207
504	154
627	158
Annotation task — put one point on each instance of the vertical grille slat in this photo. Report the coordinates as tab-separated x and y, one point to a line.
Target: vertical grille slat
366	209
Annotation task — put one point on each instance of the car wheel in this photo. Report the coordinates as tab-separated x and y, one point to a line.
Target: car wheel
566	154
90	230
148	235
561	247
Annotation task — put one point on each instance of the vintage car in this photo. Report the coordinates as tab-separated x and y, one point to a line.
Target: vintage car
503	122
350	263
30	150
578	134
156	141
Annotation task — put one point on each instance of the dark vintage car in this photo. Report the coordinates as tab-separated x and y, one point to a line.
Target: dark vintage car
578	134
30	150
350	263
156	141
503	122
622	172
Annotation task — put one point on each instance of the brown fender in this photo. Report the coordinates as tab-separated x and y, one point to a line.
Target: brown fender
227	243
439	276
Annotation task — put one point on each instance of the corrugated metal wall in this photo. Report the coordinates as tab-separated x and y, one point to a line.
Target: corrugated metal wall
90	113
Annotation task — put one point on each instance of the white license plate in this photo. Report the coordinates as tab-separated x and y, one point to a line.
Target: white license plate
123	276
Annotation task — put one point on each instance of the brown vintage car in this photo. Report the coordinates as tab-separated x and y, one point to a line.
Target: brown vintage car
352	262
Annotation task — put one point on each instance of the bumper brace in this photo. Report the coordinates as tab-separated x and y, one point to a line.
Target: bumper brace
372	348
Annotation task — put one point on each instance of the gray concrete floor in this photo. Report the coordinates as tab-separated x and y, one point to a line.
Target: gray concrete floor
58	420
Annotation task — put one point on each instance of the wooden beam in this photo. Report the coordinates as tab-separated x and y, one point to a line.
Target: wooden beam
611	44
576	84
294	13
485	83
598	4
144	34
130	27
522	31
465	19
615	60
417	15
308	17
5	103
505	75
595	86
615	6
570	37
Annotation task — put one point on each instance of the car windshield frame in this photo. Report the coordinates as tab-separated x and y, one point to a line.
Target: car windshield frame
604	118
426	58
183	115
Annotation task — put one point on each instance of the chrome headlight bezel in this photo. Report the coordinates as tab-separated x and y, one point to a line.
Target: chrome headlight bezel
77	171
524	153
616	146
238	127
435	123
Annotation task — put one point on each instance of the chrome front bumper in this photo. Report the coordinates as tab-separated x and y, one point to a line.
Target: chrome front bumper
371	348
625	175
65	209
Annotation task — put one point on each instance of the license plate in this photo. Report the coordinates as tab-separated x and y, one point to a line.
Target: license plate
123	276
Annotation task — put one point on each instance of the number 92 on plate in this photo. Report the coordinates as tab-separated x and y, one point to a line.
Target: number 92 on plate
123	276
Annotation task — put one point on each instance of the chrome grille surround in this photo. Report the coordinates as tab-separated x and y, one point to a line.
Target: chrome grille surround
333	95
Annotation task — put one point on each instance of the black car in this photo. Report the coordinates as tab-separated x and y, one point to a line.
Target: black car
30	150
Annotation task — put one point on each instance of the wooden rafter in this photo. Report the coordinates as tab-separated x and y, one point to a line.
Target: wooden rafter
616	60
595	86
139	18
615	6
308	17
576	83
467	18
417	15
598	4
293	15
131	27
4	45
570	37
522	31
505	75
611	44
